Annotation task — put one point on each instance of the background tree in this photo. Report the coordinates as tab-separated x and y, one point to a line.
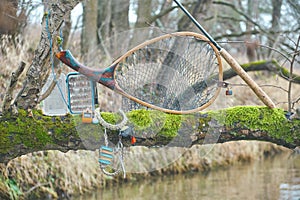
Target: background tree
113	19
89	29
13	20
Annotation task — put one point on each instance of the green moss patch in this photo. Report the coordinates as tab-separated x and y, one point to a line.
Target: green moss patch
272	121
33	130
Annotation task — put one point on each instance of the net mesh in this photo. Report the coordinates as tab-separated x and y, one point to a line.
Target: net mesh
176	73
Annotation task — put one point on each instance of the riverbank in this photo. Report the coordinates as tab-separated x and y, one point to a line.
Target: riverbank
53	174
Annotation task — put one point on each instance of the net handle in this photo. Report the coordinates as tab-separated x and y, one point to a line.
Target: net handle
231	61
245	76
106	76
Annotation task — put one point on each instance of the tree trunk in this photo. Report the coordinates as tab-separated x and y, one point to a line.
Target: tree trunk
104	18
120	18
113	17
8	17
185	23
276	15
29	95
89	31
251	45
144	11
64	33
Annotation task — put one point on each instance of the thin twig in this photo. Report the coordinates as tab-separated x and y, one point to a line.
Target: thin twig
101	42
35	187
264	85
274	86
261	45
291	75
295	102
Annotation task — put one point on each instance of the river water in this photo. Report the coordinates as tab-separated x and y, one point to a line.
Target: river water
272	178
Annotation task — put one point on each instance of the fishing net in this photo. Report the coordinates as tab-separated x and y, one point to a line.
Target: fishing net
176	72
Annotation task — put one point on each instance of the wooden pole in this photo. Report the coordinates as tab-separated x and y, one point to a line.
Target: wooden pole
243	74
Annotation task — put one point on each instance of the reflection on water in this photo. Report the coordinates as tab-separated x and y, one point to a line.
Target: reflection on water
277	178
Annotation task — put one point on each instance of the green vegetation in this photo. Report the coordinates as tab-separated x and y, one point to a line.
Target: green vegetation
254	118
140	118
166	125
36	131
33	130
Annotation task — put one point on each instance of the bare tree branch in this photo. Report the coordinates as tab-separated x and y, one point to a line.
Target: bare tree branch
166	11
11	86
271	66
233	7
291	77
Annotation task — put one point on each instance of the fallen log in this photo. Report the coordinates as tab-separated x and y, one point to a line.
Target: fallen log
32	131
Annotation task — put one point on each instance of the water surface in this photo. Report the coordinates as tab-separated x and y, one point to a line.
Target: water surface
273	178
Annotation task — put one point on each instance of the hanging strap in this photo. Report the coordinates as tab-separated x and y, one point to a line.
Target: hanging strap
111	126
105	152
106	156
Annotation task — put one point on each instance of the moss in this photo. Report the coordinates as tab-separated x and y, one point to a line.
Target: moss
171	126
33	130
165	125
112	118
140	118
272	121
36	131
259	62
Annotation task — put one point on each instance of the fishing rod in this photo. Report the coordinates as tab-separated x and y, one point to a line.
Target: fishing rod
231	61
